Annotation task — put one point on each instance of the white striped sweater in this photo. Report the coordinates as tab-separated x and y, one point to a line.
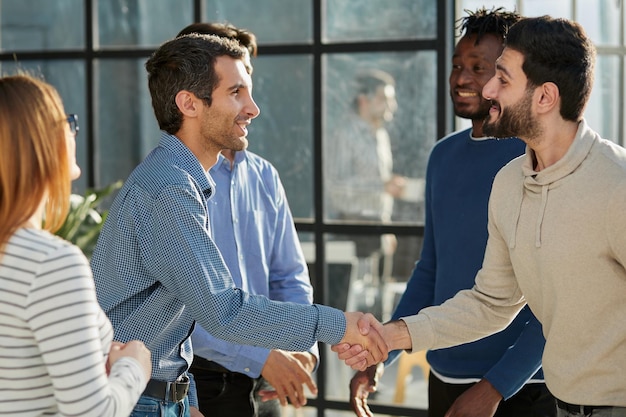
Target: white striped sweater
54	337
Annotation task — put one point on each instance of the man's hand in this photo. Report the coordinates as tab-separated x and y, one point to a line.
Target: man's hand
288	372
396	186
361	384
363	335
481	400
393	335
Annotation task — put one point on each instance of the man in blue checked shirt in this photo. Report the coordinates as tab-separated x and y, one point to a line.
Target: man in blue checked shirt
156	268
263	254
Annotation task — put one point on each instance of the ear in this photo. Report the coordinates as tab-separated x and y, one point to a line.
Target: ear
549	97
187	103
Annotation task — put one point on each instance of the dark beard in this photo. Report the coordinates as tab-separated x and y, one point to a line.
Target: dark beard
515	121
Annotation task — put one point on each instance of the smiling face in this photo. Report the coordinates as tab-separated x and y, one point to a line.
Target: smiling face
225	121
472	66
511	112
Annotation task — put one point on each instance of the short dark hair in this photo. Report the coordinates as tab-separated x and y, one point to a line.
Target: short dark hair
246	38
557	51
185	63
482	21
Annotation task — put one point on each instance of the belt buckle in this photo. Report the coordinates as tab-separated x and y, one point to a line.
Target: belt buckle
174	396
171	394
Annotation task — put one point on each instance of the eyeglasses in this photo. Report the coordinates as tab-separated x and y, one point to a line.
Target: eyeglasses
72	120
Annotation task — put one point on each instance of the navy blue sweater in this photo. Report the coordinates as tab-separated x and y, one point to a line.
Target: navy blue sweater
458	183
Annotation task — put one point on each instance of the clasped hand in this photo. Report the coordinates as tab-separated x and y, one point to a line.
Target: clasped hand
363	344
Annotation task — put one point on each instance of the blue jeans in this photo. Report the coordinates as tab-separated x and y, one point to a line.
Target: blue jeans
600	412
151	407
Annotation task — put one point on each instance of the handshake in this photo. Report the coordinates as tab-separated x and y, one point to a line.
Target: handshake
367	341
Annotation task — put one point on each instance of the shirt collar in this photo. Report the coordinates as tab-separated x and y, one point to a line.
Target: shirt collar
188	162
224	163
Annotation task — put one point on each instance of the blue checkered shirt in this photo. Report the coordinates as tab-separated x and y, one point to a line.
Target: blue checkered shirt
157	271
252	225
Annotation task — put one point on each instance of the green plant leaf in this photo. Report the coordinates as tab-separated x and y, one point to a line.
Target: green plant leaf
85	220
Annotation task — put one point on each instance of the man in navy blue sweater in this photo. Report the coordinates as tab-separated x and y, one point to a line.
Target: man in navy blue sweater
500	375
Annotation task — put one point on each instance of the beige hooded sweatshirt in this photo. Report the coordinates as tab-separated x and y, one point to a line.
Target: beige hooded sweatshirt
557	240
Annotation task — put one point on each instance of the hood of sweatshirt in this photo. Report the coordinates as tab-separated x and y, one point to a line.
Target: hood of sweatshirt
541	182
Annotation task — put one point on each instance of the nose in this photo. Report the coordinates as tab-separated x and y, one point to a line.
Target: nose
489	89
251	109
463	76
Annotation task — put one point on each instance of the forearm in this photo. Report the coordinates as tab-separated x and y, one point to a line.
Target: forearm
464	318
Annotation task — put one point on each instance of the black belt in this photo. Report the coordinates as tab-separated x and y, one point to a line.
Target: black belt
578	409
169	391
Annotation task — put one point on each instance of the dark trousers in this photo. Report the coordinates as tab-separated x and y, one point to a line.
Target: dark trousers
222	393
533	400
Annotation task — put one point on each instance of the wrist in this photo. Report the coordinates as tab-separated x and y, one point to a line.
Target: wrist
397	335
491	390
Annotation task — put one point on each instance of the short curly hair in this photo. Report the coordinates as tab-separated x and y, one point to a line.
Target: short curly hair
496	21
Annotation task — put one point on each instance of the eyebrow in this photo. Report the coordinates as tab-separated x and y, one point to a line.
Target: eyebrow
476	56
500	67
238	86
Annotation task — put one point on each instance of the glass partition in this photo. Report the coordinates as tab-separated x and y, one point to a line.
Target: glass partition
359	21
126	127
283	132
140	23
272	21
42	25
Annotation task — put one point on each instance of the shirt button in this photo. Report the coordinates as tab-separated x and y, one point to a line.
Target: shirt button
246	369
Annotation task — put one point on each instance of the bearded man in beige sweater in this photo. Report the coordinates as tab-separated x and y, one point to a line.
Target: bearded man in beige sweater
557	227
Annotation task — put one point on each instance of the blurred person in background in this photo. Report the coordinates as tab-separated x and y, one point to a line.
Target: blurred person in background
361	186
